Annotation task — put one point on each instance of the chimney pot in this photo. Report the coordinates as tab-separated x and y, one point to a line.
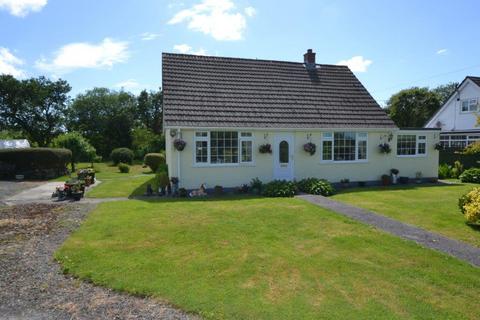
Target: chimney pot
309	59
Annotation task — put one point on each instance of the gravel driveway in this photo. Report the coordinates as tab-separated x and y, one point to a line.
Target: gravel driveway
10	188
31	283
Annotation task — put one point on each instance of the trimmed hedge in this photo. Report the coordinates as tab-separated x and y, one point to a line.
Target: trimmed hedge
34	163
123	155
154	160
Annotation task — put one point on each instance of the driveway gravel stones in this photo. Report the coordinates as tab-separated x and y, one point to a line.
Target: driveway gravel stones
32	285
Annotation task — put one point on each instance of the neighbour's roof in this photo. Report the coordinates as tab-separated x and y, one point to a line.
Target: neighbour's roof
476	80
202	91
14	144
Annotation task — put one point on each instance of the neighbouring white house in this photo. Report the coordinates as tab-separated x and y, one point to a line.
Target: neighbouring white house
14	144
229	120
457	118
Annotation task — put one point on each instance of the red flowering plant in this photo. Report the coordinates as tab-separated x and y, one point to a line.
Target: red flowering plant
310	147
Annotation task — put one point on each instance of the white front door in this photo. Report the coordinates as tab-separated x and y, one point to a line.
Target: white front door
283	156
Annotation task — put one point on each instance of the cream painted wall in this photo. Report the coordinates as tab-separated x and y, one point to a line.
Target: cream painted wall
305	165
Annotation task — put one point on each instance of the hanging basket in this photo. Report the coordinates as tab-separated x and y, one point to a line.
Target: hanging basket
179	144
310	147
265	148
384	148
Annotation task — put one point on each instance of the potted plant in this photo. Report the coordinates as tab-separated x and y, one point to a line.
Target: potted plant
179	144
174	181
384	148
265	148
310	147
386	179
345	183
418	177
394	173
256	186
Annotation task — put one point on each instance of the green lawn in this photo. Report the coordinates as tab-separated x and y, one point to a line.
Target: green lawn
116	184
434	208
245	258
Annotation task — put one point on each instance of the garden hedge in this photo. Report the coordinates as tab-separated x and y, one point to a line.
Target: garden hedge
468	160
34	163
123	155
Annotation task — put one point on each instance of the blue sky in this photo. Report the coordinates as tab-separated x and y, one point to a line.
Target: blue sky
389	45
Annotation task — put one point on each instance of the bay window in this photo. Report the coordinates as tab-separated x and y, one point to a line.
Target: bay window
223	147
344	146
411	145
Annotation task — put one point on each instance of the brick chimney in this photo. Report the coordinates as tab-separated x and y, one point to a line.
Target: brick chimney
309	59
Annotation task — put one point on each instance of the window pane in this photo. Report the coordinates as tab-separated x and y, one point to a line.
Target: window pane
344	146
223	147
283	152
406	144
201	134
362	150
465	105
246	151
421	147
246	134
201	152
327	150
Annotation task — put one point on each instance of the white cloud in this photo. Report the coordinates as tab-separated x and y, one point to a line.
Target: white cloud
21	8
147	36
356	63
185	48
250	11
9	64
442	51
86	55
217	18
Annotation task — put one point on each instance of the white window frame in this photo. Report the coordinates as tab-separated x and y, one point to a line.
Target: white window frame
241	136
471	102
418	140
244	137
329	136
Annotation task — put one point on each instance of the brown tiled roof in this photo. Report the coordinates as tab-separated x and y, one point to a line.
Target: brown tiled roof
201	91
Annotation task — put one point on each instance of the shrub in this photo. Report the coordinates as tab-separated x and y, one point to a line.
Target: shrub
472	149
471	175
457	169
256	185
146	141
470	205
182	193
444	171
123	167
36	163
280	188
316	186
218	190
162	179
123	155
154	160
163	167
81	149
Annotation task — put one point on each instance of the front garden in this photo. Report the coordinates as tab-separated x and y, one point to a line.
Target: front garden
247	258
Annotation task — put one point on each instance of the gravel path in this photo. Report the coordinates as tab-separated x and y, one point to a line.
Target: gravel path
10	188
32	285
427	239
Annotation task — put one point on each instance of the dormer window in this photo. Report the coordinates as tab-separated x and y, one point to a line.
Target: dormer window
469	105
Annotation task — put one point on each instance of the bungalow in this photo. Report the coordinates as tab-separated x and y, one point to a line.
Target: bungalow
229	120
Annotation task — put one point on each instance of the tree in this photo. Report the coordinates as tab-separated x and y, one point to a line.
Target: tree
81	149
150	110
105	117
413	107
444	91
35	106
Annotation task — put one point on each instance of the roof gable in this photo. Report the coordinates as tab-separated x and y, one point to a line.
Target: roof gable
201	91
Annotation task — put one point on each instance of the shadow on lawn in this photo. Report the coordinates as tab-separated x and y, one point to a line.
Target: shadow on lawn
396	187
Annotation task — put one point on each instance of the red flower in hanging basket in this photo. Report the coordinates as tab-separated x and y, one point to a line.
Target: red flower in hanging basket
310	147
